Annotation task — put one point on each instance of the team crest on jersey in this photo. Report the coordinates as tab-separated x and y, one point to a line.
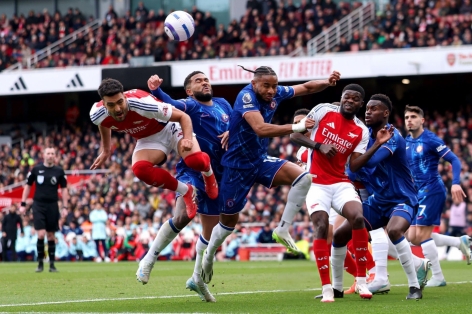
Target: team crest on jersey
225	117
137	122
286	89
40	179
247	98
419	149
53	180
230	202
273	104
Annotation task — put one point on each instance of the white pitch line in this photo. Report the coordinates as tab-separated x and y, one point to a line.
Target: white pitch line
183	296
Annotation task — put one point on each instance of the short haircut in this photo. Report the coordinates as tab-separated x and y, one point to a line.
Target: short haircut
415	109
189	78
109	87
302	111
260	71
383	99
355	87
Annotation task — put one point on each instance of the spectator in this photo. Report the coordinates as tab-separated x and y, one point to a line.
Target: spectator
98	218
10	225
265	235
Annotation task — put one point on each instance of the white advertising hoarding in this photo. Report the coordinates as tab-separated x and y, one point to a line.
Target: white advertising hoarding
396	62
54	80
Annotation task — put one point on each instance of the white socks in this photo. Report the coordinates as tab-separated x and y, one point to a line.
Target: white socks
392	251
182	188
338	254
166	234
380	249
295	199
218	236
406	259
430	251
444	240
202	244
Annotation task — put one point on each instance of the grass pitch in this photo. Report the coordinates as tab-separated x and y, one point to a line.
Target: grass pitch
239	287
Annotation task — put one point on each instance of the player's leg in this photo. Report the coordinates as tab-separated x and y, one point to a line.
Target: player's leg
462	242
347	202
429	215
235	185
52	226
379	243
196	283
278	172
153	150
39	223
398	224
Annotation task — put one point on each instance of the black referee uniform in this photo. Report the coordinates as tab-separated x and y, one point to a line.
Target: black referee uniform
45	209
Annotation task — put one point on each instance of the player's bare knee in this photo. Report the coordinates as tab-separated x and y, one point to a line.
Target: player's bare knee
394	234
357	221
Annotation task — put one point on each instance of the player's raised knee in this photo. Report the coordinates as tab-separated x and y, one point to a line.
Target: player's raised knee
303	180
198	161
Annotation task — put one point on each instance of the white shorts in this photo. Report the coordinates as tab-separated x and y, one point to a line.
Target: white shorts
332	216
330	197
166	140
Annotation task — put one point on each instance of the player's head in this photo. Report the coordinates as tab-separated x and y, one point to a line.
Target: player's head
111	92
414	118
300	114
264	83
377	110
198	86
49	155
352	99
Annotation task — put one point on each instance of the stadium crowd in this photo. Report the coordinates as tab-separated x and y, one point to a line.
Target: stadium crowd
134	212
267	28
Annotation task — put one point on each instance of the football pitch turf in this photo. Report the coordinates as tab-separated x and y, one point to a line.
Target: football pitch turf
239	287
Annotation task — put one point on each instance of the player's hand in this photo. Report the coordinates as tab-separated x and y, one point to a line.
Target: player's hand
224	140
300	164
186	145
329	150
22	210
384	134
154	82
309	123
457	193
334	78
100	160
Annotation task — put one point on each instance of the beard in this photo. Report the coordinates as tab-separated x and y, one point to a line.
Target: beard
203	96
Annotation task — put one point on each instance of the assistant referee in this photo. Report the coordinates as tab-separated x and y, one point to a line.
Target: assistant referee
46	214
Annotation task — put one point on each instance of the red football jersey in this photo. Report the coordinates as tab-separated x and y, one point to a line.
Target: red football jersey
147	115
347	135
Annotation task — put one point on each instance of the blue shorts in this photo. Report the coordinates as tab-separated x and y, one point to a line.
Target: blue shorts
236	183
377	215
429	210
206	205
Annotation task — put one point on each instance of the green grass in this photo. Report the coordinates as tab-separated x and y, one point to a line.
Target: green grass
239	287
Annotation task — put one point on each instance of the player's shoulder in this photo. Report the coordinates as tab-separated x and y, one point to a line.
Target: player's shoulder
137	96
98	112
428	135
322	108
360	125
246	94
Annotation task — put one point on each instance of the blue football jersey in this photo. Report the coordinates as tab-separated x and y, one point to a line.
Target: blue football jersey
423	155
391	179
208	122
247	150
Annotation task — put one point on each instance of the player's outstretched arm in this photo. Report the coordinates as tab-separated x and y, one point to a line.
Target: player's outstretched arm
105	134
328	150
316	86
457	193
262	129
154	83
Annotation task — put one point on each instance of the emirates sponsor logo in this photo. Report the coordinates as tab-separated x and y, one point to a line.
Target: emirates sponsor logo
341	144
133	130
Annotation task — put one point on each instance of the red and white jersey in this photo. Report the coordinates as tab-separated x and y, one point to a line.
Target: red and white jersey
147	115
302	154
347	135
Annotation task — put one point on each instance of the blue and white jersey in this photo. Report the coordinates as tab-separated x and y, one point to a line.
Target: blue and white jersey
423	155
387	173
247	150
208	122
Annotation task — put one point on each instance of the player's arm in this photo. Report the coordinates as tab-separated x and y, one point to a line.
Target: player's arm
316	86
185	122
379	156
326	149
456	189
358	159
105	135
262	129
154	83
64	193
27	189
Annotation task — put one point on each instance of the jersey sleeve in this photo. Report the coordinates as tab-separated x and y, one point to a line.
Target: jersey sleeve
392	143
31	177
438	147
284	92
362	146
98	113
180	104
319	111
245	103
151	108
63	179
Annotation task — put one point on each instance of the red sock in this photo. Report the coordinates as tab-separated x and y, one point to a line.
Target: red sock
350	247
146	172
198	161
370	260
350	265
360	241
321	250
